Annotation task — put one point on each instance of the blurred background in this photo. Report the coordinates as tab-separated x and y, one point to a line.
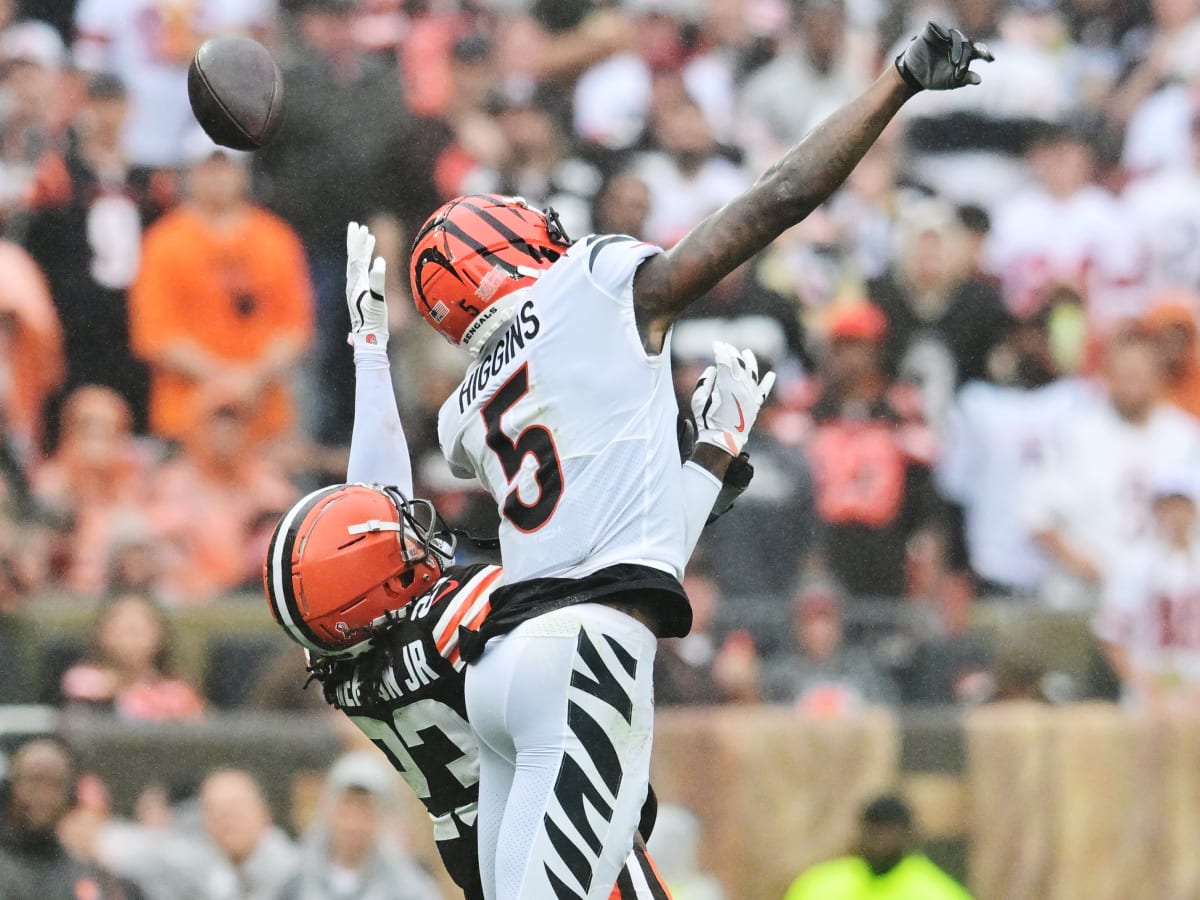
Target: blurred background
965	577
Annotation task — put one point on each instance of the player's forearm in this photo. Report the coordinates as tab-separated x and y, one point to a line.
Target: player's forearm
702	477
378	448
791	189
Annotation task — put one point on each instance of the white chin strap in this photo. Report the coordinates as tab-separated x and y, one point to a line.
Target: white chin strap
495	317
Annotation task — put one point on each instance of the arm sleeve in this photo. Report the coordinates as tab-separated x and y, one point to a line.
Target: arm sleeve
378	449
700	489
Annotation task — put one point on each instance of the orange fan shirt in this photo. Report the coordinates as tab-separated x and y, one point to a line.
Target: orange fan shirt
232	293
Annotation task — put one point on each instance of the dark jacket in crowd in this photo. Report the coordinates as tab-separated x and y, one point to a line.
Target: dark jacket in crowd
40	868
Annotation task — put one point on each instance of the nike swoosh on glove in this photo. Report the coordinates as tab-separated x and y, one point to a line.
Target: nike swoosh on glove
728	397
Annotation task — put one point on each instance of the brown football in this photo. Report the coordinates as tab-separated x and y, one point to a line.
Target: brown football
236	91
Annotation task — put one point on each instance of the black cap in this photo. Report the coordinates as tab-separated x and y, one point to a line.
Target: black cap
887	809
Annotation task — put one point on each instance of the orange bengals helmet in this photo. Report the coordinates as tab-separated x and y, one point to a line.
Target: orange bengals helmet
346	556
471	257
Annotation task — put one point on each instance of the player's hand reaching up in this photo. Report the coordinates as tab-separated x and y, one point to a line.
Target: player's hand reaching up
938	59
364	290
728	397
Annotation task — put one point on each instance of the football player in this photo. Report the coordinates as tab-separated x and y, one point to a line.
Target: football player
567	417
361	576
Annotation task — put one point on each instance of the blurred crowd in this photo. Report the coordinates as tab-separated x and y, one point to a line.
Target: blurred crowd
986	340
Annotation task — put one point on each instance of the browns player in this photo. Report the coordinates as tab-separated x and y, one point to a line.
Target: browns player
361	576
567	417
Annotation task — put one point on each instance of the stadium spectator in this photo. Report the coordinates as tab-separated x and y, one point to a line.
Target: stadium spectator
970	148
886	863
236	850
212	503
128	667
699	670
621	205
824	676
222	303
32	57
613	97
31	353
1149	619
85	231
1172	323
995	439
942	321
1162	208
350	851
1083	506
463	148
1153	95
816	70
541	167
95	481
675	846
870	452
318	179
148	46
687	177
39	794
1064	230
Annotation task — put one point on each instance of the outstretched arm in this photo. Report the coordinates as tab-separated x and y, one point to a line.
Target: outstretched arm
378	449
797	184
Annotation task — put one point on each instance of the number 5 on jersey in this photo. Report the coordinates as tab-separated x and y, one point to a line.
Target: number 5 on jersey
535	441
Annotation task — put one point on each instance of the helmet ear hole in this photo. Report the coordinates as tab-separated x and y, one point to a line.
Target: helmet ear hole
407	577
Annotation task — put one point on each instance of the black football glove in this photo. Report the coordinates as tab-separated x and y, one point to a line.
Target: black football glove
938	58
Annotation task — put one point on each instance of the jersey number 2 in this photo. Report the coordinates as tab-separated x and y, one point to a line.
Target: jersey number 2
535	441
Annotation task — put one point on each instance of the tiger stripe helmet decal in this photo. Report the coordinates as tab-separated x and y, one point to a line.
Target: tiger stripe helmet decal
470	258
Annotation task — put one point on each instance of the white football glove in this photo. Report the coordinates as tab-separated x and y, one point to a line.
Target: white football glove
728	397
364	290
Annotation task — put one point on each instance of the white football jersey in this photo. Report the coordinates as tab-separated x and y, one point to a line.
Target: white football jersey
570	424
1151	606
1165	210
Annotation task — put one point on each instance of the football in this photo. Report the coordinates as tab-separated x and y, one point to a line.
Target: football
236	91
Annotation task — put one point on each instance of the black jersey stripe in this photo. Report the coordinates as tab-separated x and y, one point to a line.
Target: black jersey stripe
604	242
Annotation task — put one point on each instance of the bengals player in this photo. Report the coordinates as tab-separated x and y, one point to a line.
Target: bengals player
566	417
362	577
